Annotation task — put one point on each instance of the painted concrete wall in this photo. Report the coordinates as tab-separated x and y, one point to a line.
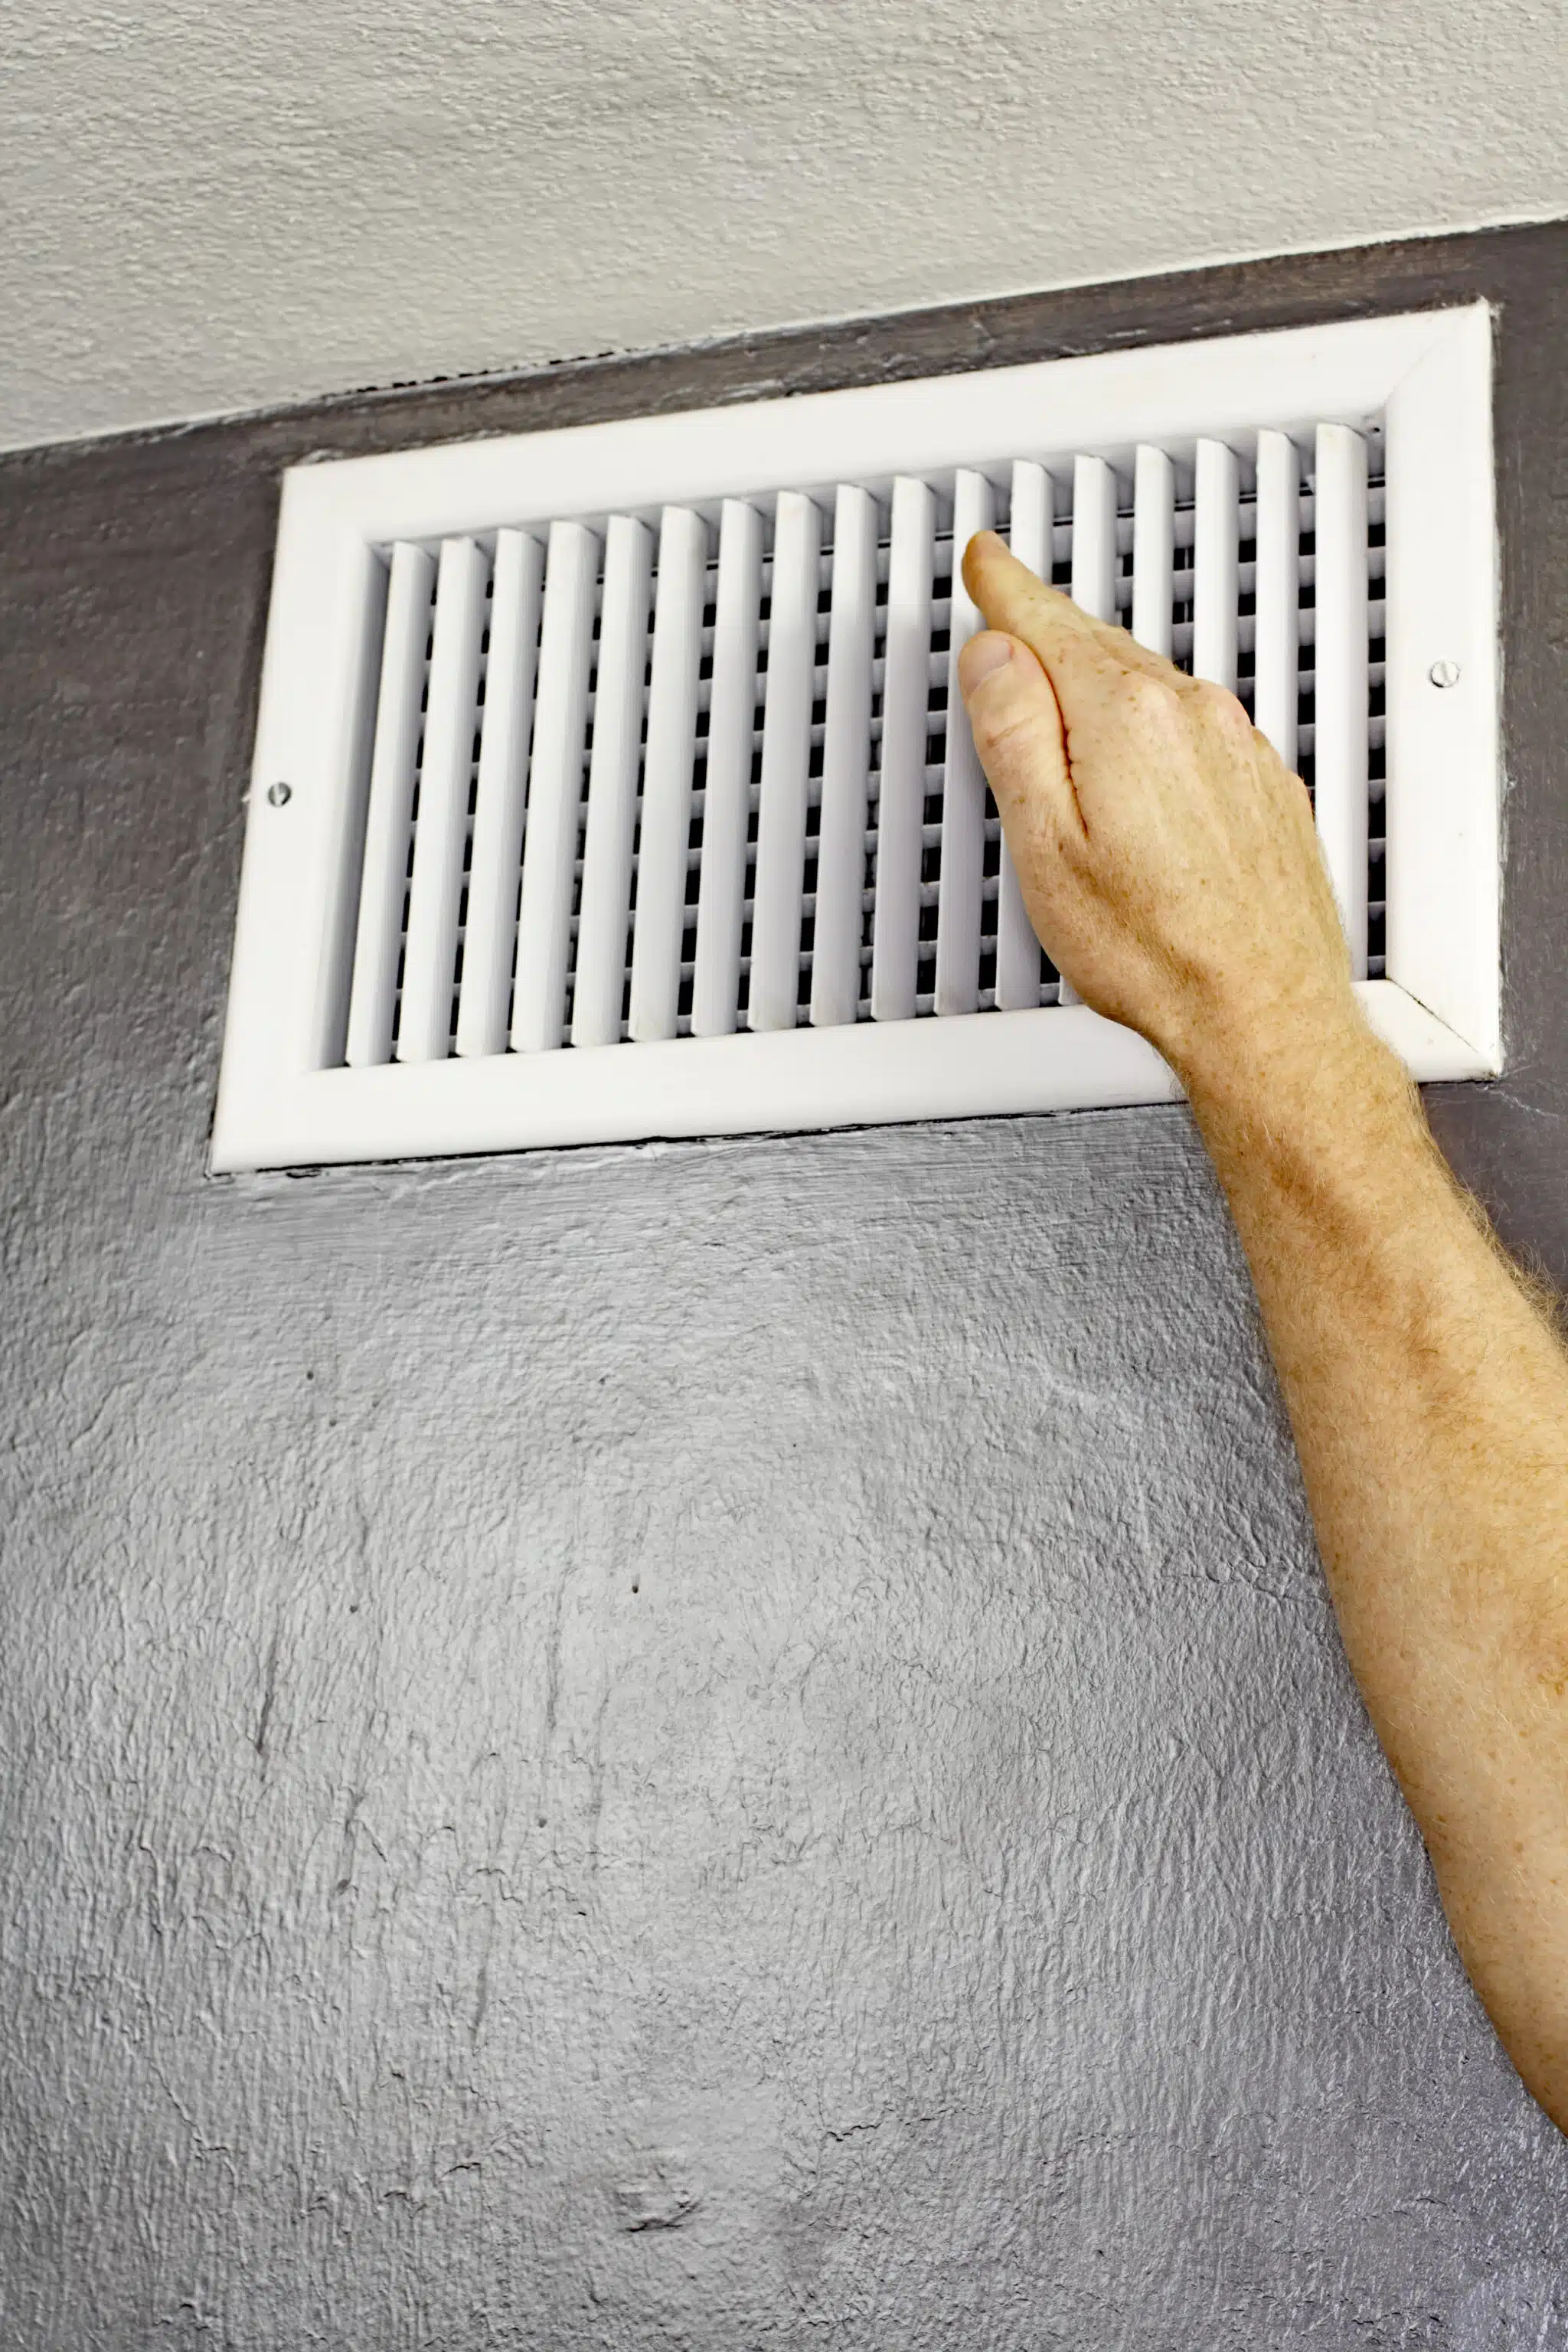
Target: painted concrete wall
715	1748
215	207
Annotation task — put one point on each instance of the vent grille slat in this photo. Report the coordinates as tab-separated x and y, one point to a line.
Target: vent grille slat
1094	538
638	778
727	794
904	775
774	993
490	939
1215	558
1340	681
389	820
554	789
962	783
1094	560
598	977
1276	585
425	1011
1031	529
667	778
1153	549
838	913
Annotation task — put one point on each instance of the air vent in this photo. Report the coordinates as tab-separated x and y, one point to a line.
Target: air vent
605	785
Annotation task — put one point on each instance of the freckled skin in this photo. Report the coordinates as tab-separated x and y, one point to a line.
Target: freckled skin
1170	864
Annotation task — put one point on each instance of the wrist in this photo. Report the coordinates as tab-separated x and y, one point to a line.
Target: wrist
1309	1067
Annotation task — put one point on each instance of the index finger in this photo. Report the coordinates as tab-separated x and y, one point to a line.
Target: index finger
1061	631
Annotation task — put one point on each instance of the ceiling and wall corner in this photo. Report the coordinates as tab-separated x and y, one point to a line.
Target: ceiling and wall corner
211	209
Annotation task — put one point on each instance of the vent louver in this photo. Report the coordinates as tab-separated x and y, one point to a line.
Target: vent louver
636	808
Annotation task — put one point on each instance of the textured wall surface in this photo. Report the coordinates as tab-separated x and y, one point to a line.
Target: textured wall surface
212	205
701	1747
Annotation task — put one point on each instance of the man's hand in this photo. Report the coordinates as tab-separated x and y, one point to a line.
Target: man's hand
1170	864
1167	858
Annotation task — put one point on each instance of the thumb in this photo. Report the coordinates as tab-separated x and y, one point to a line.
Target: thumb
1016	722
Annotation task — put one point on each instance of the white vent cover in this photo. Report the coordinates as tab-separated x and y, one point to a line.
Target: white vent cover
605	785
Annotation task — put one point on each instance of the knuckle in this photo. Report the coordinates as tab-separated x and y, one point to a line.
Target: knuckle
1218	704
1149	698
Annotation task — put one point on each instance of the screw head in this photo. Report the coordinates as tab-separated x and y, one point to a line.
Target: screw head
1444	673
278	795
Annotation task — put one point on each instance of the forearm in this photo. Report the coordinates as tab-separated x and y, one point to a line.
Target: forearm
1429	1399
1170	865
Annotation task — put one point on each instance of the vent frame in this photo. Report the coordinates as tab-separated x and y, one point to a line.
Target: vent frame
284	1097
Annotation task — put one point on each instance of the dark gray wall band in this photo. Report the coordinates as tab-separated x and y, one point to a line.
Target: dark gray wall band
714	1746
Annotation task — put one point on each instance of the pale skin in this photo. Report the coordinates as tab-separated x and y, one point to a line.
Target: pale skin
1170	864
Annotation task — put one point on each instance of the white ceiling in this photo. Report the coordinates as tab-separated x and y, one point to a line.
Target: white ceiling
214	207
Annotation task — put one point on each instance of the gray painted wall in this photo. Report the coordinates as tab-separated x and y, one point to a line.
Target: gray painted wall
212	206
703	1746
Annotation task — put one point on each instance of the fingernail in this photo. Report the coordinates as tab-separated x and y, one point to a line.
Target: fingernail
981	657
